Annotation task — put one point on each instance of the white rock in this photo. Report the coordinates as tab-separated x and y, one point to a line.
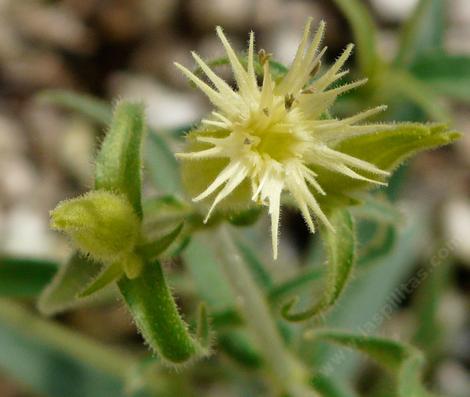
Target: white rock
166	108
17	178
25	233
453	379
457	227
396	10
11	138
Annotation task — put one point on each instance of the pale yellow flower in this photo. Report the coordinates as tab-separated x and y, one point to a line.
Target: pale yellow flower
276	131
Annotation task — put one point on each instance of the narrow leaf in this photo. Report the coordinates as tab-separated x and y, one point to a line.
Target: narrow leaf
228	318
61	293
446	74
403	360
236	344
161	164
329	387
423	32
378	246
378	208
404	84
155	248
364	31
94	108
295	284
23	277
260	274
203	327
112	273
118	164
341	256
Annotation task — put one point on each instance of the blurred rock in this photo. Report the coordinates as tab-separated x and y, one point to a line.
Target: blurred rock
458	32
285	34
232	15
53	25
394	11
157	12
120	20
108	323
77	150
166	108
456	218
11	139
25	233
453	379
453	313
17	179
35	70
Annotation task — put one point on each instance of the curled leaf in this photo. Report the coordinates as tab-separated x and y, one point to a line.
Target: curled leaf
341	257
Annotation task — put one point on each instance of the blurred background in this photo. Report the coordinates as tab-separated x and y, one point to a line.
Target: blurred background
125	49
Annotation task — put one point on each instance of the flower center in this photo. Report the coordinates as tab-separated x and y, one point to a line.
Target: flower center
273	134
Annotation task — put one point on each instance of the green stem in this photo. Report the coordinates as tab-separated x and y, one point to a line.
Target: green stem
154	309
290	373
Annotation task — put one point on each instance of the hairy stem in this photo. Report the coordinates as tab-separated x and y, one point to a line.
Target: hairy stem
155	312
289	373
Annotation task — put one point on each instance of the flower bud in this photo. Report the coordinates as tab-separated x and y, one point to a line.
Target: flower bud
101	224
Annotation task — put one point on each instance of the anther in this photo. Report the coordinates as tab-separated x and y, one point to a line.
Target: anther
266	111
289	101
264	56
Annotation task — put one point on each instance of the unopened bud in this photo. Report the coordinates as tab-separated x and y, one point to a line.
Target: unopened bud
101	224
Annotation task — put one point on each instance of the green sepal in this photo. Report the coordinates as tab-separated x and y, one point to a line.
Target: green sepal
119	163
405	361
154	310
341	248
151	250
62	293
386	149
110	274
